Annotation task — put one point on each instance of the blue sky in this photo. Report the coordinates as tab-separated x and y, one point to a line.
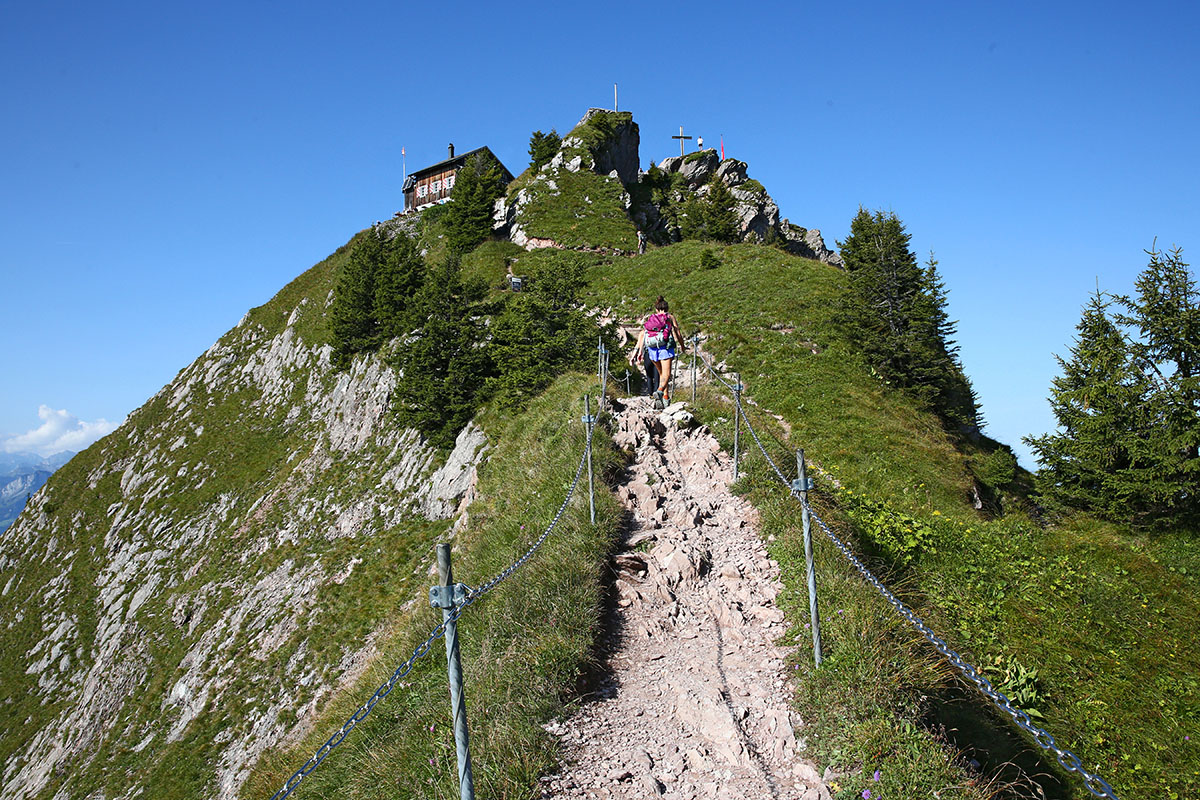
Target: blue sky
165	168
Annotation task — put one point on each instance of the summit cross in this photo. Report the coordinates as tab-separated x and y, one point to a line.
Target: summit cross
681	137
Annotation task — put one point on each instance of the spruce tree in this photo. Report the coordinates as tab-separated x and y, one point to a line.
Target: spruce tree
443	368
353	326
722	220
1164	317
542	332
1094	459
468	218
397	279
543	147
896	311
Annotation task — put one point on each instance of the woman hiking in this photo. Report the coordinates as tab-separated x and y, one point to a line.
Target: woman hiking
658	337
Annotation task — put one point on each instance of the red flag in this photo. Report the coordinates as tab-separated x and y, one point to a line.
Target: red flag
722	147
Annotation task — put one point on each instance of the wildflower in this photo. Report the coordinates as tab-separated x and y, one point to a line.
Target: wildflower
841	611
866	794
875	777
432	763
937	513
431	725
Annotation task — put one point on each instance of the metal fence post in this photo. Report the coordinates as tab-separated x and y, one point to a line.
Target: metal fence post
737	420
813	612
695	344
448	598
589	420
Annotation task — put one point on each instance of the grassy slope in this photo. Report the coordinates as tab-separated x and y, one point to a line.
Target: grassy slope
1098	612
523	646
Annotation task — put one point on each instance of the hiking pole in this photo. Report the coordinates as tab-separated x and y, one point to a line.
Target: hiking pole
801	485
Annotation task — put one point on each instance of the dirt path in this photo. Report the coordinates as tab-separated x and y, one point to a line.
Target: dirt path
695	701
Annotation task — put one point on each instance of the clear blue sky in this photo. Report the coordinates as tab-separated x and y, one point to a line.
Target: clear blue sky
165	168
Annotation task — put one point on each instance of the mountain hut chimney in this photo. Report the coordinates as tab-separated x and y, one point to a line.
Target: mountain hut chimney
452	149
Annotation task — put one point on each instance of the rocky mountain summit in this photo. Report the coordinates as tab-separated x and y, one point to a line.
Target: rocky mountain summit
596	173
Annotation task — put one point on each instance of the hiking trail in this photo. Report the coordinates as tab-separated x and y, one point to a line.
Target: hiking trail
693	703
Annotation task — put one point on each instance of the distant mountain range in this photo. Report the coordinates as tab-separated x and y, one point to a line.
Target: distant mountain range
22	474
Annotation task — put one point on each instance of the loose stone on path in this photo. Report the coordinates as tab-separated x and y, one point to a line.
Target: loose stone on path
695	702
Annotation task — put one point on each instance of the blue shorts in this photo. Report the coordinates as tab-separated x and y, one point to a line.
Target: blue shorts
660	353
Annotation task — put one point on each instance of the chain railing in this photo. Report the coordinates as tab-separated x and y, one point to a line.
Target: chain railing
471	596
1096	785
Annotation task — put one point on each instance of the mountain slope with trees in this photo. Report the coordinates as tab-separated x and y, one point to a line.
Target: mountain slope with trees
192	605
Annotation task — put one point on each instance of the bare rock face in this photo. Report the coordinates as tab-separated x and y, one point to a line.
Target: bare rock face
808	243
619	151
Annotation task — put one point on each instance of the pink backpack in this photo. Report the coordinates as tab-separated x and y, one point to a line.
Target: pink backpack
658	330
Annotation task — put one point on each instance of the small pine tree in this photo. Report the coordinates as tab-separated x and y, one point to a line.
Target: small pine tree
468	218
542	332
443	368
722	220
1098	402
353	326
543	147
397	279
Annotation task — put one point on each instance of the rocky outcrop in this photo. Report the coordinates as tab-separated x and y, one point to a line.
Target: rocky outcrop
587	177
617	150
808	243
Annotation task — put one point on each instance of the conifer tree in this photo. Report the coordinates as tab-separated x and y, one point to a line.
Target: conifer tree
1098	400
353	326
397	279
543	147
443	368
468	217
897	313
1127	405
542	332
722	221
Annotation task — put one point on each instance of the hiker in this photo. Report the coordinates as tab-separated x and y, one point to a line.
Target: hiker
659	334
641	243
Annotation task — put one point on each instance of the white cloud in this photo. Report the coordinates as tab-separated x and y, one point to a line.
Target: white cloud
60	430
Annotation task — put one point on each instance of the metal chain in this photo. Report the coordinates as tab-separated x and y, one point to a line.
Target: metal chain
1068	760
475	594
362	711
386	687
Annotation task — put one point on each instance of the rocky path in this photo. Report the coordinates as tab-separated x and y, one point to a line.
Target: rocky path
695	700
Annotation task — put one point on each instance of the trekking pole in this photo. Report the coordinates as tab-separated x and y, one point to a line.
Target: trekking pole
589	420
447	597
628	372
737	419
802	484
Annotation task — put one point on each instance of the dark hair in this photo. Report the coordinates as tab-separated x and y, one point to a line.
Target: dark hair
660	304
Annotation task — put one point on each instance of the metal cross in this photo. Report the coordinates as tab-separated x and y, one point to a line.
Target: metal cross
681	137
